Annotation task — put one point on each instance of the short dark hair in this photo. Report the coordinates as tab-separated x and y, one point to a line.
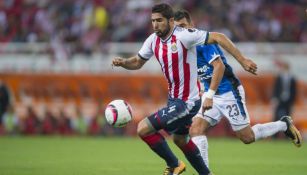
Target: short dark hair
164	9
180	14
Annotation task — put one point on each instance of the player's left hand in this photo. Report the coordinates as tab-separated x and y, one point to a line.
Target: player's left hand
249	66
207	104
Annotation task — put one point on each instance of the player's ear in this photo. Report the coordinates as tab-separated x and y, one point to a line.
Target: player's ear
171	20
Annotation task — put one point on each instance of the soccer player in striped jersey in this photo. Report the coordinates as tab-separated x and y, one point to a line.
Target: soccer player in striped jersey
175	49
224	96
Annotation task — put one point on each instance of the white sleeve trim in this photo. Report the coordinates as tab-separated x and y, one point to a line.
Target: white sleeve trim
214	58
143	58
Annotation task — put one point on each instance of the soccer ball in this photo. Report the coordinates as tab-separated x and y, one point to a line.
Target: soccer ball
118	113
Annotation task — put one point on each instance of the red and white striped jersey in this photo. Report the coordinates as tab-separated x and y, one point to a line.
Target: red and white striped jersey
178	59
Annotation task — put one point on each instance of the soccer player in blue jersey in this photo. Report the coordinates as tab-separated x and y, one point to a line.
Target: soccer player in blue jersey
224	96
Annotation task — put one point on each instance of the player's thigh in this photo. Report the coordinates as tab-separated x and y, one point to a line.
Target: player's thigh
211	116
168	117
232	105
246	135
199	126
145	128
182	125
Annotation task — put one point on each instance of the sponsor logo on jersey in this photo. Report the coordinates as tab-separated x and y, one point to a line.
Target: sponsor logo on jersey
203	72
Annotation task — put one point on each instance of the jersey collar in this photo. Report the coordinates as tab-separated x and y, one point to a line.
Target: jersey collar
165	40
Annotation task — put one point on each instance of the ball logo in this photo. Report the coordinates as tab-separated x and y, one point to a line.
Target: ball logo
114	114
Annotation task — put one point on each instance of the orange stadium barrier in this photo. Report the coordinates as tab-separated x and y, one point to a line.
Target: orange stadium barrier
145	93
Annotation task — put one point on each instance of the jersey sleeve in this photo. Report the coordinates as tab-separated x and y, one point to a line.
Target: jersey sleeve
210	53
192	37
146	51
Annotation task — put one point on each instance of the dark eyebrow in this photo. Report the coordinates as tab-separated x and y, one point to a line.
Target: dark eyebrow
156	19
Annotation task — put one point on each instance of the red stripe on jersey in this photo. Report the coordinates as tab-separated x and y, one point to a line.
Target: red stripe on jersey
175	66
157	47
186	72
165	62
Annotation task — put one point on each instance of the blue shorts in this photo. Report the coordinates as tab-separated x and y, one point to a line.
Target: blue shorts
175	118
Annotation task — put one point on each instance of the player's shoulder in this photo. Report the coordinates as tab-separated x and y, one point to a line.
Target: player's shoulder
181	34
151	38
207	46
184	34
180	31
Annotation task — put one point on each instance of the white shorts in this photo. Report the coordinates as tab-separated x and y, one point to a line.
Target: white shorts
231	105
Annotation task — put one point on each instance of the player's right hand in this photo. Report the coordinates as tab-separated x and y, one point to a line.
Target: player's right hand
208	103
117	61
249	66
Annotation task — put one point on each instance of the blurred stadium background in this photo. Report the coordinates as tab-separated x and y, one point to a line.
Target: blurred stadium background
55	59
56	56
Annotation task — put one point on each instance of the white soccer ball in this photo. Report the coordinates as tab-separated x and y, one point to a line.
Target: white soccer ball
118	113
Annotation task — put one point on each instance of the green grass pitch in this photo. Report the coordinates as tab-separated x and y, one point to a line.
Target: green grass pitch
130	156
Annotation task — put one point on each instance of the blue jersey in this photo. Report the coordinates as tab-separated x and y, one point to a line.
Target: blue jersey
205	55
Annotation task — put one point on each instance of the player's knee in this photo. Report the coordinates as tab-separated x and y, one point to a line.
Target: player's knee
142	128
246	135
196	131
179	141
199	127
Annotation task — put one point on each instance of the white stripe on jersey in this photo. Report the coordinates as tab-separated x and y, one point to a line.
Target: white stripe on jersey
180	52
193	65
170	71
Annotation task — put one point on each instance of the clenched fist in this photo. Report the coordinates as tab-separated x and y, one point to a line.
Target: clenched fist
117	61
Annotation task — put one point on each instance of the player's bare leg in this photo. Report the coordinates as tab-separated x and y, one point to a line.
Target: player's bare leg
144	128
199	126
198	133
246	135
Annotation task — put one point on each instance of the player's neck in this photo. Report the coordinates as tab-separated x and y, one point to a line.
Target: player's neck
169	33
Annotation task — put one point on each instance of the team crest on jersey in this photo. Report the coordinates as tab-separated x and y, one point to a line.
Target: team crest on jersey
174	47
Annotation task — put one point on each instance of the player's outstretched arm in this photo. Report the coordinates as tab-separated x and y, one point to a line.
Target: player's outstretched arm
230	47
132	63
218	72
